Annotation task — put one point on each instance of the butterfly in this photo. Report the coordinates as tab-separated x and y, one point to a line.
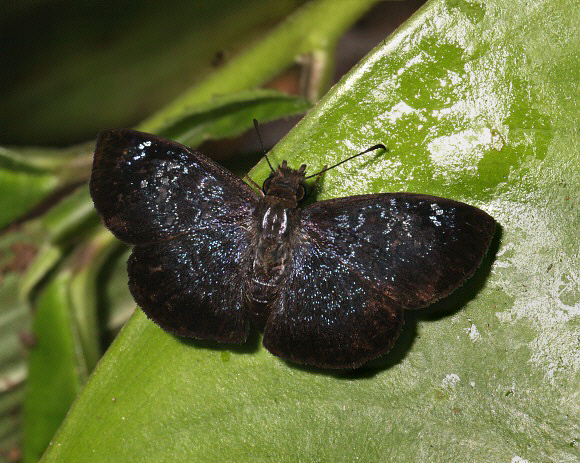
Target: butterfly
326	283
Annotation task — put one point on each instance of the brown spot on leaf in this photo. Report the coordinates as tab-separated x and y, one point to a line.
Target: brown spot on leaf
22	255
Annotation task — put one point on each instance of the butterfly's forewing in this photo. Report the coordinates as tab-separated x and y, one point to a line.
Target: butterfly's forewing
188	218
363	259
148	188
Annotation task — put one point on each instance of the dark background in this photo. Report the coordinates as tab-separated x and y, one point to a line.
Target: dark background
70	69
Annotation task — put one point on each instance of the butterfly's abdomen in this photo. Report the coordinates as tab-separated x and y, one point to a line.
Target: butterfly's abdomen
274	235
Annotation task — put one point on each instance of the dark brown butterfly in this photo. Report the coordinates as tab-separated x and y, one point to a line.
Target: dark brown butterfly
327	283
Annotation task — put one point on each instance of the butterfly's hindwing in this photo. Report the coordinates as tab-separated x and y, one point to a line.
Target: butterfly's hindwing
193	285
329	316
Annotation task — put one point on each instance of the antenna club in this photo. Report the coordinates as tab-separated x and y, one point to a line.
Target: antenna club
372	148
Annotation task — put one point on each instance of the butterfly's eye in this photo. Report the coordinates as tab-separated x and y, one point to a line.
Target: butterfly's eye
300	192
266	185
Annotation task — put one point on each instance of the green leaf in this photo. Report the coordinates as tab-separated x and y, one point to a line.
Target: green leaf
55	368
14	335
475	101
62	227
230	115
29	174
22	183
86	265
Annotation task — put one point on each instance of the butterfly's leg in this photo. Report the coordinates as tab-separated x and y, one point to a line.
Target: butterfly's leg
254	184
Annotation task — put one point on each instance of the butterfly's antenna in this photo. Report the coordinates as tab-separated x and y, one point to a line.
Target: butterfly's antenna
372	148
262	145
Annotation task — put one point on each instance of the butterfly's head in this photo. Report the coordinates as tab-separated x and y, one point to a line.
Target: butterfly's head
286	183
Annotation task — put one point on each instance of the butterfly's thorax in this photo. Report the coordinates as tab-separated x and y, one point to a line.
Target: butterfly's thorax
277	220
